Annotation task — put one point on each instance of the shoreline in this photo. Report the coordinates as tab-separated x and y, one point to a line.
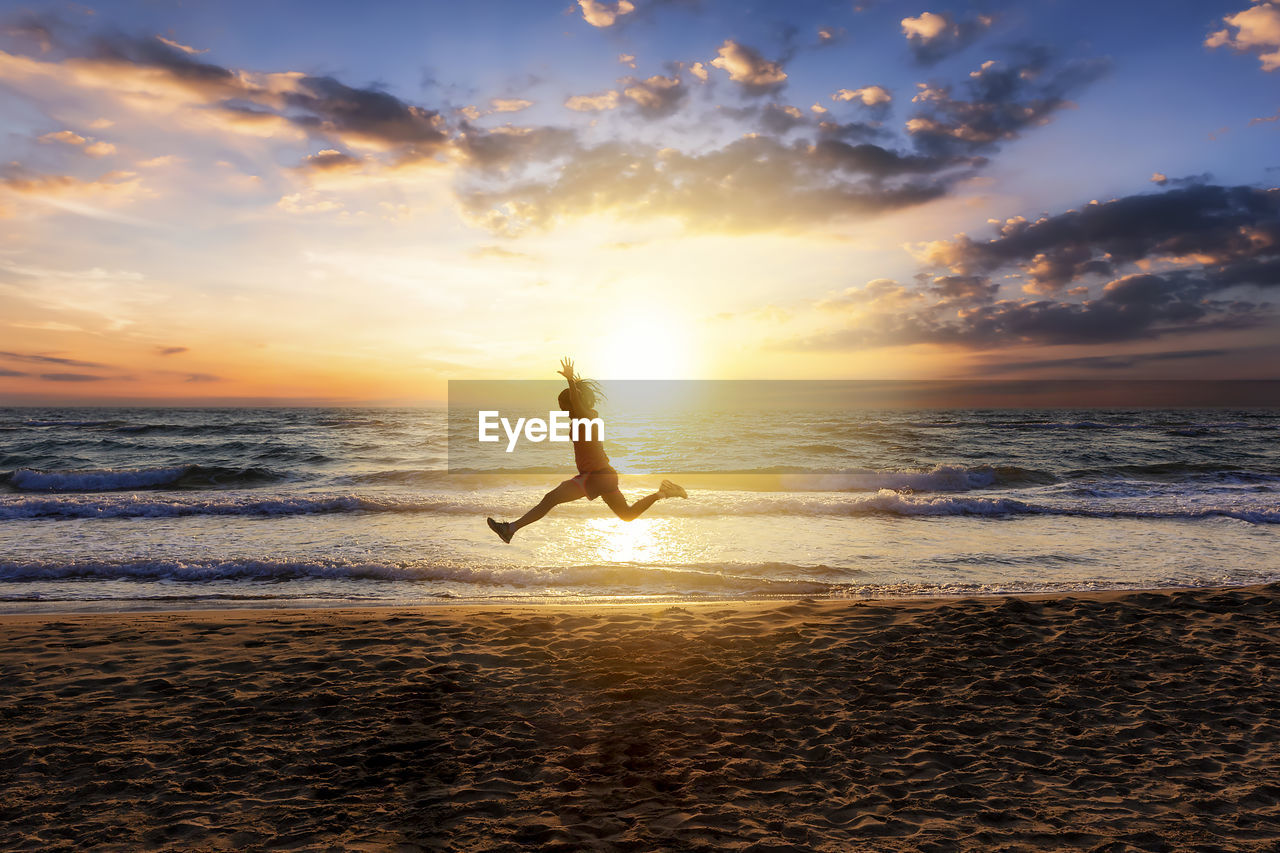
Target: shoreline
533	602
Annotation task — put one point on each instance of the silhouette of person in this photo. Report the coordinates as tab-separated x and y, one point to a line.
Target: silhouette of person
596	477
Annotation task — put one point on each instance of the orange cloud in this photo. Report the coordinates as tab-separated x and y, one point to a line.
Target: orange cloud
603	14
870	96
593	103
1257	30
746	66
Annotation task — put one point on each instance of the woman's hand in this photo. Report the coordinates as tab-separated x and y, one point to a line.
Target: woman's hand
566	369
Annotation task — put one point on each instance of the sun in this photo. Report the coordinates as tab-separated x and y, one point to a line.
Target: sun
644	344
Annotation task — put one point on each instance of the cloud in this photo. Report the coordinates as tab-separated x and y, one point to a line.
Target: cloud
73	194
768	180
935	36
1226	230
747	67
830	35
161	350
604	14
504	148
500	253
331	160
1257	30
627	59
4	371
38	358
151	76
794	170
781	118
1101	362
656	96
65	136
72	377
1137	308
509	105
752	184
1165	263
870	96
190	51
593	103
69	137
1001	100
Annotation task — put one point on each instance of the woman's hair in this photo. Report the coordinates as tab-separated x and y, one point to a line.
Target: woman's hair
589	391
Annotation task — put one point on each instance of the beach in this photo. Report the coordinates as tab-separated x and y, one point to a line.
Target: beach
1091	721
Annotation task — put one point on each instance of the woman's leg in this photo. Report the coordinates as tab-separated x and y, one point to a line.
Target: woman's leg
561	494
629	512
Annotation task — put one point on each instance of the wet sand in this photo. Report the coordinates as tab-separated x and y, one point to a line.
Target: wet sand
1117	721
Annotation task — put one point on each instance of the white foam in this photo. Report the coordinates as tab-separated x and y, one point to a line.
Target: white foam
98	480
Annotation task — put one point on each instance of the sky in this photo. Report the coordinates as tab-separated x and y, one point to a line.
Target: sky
320	203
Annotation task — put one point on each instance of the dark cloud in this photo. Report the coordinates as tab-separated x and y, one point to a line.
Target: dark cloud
320	105
999	102
963	289
1102	362
39	29
342	112
857	131
878	162
202	377
1155	309
1233	233
654	97
1189	180
781	119
72	377
1193	248
4	371
49	359
171	350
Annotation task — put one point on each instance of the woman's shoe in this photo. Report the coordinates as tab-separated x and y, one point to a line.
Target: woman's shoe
503	529
669	489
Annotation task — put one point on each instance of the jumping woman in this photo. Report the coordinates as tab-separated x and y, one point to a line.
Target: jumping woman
596	477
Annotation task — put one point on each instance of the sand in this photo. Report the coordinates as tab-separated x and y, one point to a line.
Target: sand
1146	721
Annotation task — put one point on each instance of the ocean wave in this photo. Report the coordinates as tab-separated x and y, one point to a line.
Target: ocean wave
132	506
885	502
119	479
940	478
1200	428
734	578
73	424
1175	472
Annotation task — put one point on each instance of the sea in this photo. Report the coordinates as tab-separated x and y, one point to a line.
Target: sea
121	509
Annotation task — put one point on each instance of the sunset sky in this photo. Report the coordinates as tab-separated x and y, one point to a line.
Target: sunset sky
330	202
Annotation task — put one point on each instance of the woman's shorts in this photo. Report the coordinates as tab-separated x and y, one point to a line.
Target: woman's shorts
596	483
